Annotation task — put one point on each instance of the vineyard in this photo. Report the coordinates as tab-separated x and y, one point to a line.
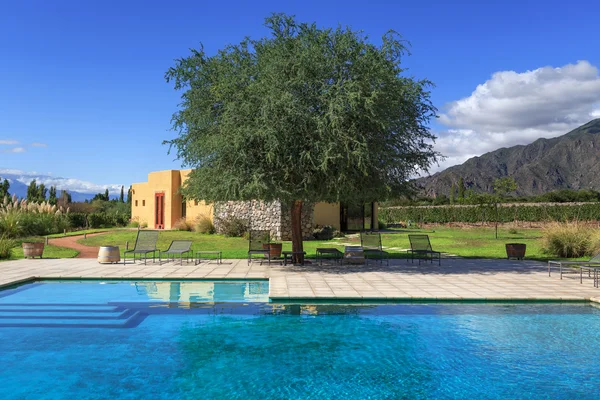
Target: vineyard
525	212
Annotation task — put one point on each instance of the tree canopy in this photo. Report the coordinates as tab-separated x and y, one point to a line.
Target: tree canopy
303	114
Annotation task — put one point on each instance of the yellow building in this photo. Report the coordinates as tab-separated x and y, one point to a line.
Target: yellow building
159	205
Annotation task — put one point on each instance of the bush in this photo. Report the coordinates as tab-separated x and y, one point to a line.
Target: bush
232	226
77	220
323	232
183	224
6	246
204	224
566	240
513	231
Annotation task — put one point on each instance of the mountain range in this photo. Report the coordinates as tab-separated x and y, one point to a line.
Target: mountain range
570	161
19	181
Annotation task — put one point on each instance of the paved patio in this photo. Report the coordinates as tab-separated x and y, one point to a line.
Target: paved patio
455	279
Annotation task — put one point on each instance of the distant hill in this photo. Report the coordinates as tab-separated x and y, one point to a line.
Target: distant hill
571	161
18	187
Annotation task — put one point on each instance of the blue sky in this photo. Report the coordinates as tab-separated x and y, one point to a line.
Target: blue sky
83	95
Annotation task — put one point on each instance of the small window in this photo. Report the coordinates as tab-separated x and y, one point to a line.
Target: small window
136	203
195	202
143	203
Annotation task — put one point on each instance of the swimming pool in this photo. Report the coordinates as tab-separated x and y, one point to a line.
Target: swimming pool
194	340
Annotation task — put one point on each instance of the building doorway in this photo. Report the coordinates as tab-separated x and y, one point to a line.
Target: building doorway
159	210
356	217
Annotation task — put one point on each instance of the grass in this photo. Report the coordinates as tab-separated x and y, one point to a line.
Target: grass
77	233
50	251
464	242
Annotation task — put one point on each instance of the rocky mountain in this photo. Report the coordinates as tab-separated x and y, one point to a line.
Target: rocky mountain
571	161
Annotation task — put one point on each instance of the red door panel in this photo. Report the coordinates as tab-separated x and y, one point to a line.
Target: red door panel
159	210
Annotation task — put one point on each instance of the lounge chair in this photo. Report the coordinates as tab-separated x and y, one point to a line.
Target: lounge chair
181	247
588	265
421	246
371	244
256	245
145	243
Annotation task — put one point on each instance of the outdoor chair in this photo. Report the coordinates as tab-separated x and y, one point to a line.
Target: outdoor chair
572	265
371	244
181	247
145	243
258	244
421	246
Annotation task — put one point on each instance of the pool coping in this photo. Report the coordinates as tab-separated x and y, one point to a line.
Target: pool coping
317	300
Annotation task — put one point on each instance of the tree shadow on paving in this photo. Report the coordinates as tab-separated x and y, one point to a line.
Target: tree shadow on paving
448	267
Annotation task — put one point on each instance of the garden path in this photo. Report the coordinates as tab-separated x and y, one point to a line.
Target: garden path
70	242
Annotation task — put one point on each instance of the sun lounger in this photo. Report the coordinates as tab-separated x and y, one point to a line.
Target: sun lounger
145	243
177	247
421	246
371	244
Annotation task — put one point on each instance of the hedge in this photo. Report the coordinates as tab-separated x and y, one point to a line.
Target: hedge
506	213
97	220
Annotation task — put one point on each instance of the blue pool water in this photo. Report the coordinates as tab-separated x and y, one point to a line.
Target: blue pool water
199	340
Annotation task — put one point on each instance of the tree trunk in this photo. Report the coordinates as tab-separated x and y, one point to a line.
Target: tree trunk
297	231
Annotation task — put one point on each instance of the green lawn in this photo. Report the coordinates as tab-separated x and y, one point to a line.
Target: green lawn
465	242
49	250
77	233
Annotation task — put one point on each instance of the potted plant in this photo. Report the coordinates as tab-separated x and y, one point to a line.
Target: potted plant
275	249
33	249
515	250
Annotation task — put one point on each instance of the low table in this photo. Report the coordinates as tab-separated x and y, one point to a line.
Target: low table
291	254
589	269
354	255
335	253
218	254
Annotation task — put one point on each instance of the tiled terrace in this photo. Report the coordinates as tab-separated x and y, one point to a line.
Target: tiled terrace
455	279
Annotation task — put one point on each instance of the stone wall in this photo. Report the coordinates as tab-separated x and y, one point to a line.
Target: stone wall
259	215
307	221
269	216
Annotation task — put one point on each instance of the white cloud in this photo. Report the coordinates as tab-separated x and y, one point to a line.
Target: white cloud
71	184
15	150
514	108
8	141
37	144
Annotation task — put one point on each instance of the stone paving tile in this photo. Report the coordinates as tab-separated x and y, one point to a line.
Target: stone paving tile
454	279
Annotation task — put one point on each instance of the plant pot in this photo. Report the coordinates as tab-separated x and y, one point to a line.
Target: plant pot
32	249
515	250
274	249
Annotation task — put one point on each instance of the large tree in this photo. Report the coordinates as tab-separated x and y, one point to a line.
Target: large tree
302	115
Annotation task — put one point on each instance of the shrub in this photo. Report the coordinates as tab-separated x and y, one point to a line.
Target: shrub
232	226
323	232
143	225
203	224
6	246
513	231
595	242
134	223
183	224
382	225
20	218
566	239
77	220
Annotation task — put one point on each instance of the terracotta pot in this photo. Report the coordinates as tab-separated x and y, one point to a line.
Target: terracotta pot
274	249
31	249
515	250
